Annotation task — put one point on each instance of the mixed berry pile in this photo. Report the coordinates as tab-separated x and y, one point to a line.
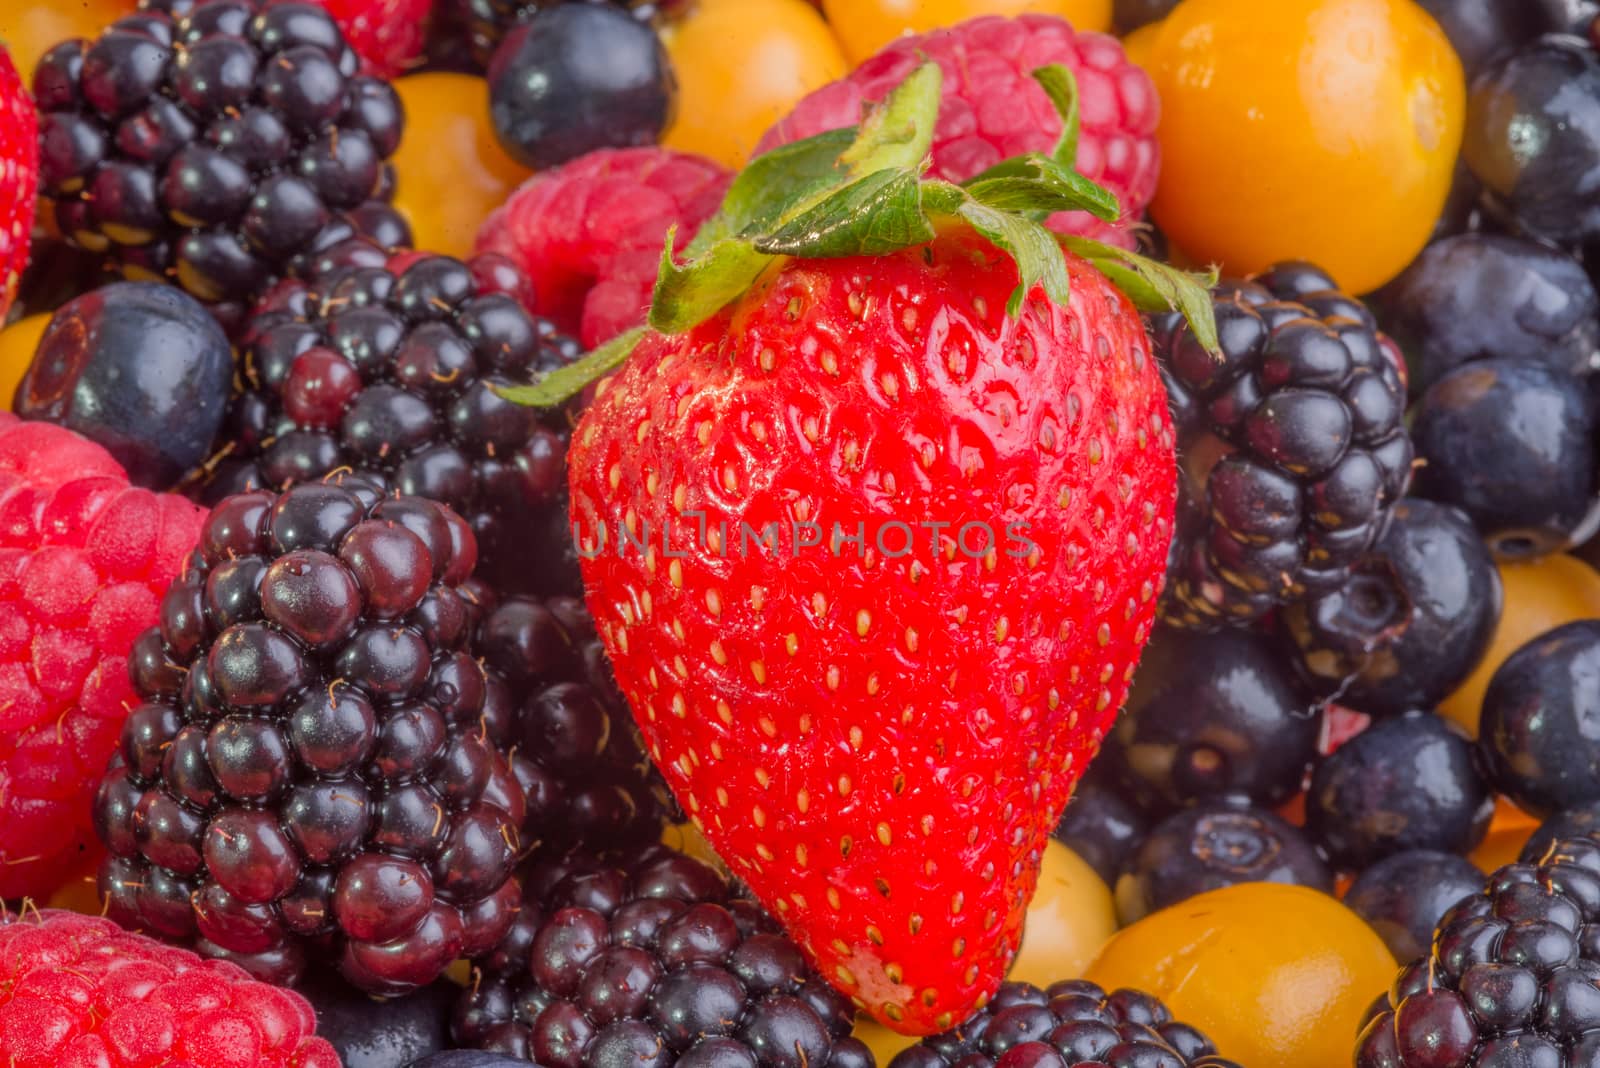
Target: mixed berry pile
800	534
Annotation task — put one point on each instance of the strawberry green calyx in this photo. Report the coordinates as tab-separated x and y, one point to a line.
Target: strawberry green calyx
863	191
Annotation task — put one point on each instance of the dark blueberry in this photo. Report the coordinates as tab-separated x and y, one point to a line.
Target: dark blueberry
1210	715
1404	896
575	78
1099	825
1129	15
1410	782
142	369
1481	30
1511	444
1569	823
1211	846
1533	137
369	1033
1411	622
1538	729
1485	296
468	1058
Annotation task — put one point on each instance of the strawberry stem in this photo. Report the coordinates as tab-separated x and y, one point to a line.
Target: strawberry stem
862	191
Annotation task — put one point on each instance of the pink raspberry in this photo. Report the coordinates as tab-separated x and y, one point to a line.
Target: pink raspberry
84	561
386	34
993	108
589	233
80	992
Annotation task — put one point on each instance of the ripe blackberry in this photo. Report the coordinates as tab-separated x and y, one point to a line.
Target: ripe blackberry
309	775
553	705
1292	449
390	370
1510	981
1069	1024
214	147
650	963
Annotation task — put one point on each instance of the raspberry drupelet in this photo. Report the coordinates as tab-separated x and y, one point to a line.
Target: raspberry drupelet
309	775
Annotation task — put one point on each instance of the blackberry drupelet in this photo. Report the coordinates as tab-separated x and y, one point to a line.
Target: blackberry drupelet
390	371
1292	446
309	775
553	705
650	963
213	148
1070	1024
1510	980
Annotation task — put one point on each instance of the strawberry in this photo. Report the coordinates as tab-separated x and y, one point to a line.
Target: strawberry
19	177
934	466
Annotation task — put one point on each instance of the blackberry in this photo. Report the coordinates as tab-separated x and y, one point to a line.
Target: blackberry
1069	1024
1510	980
1292	447
216	147
553	704
390	370
309	775
653	962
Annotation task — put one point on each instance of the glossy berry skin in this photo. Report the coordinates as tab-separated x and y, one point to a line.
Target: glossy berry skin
388	367
652	959
367	1032
1484	30
988	60
308	776
388	35
1534	731
467	1058
84	561
1214	845
552	704
1533	137
964	680
1510	443
1294	446
215	149
1509	977
1410	623
1410	782
1100	825
1067	1024
575	78
79	990
1478	296
141	368
589	233
1569	823
1212	714
1129	15
1404	895
19	147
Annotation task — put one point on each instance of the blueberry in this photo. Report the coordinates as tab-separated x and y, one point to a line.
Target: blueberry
141	368
1511	444
1212	846
468	1058
1099	824
1479	296
1540	728
1212	714
1404	783
1410	623
1533	137
1480	30
1404	896
575	78
370	1033
1129	15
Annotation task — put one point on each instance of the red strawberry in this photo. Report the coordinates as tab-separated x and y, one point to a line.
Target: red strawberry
19	177
878	735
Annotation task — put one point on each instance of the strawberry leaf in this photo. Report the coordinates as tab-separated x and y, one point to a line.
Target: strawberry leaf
1061	86
773	181
1156	286
564	383
1038	257
1038	184
873	216
899	134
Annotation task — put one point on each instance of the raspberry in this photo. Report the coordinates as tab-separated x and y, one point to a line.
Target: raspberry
993	109
386	34
79	991
310	772
84	560
589	234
